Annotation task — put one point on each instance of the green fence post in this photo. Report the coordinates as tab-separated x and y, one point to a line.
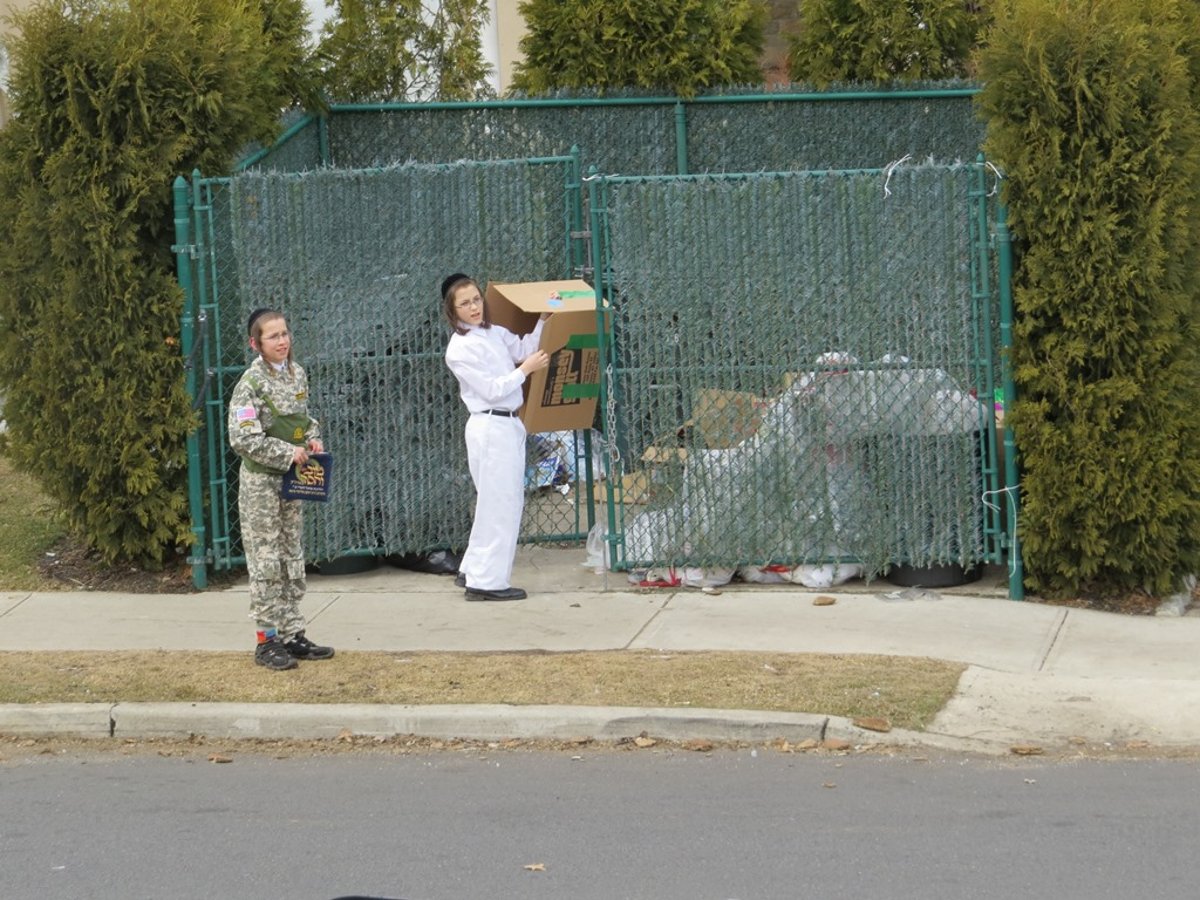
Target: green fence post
681	145
604	313
183	269
1016	568
575	229
323	138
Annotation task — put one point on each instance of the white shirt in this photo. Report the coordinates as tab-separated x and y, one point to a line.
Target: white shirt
485	360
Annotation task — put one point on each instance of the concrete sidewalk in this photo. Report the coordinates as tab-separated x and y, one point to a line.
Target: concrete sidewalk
1036	674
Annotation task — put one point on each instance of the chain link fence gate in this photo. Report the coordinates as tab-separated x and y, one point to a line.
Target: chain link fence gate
354	259
801	368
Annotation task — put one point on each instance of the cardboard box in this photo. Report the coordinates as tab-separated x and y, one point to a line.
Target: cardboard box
720	419
635	488
563	396
725	418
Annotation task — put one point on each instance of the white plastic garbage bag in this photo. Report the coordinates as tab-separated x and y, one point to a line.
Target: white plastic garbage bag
697	576
656	576
597	549
764	575
825	576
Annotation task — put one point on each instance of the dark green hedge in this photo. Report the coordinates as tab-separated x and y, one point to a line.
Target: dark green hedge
1092	115
679	46
884	40
112	101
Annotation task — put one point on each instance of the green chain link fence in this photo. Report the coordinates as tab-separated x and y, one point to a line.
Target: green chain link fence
796	362
802	368
774	131
354	259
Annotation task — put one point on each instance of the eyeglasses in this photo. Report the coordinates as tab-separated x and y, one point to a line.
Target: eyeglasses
467	304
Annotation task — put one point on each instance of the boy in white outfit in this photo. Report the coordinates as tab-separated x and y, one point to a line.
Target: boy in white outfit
491	365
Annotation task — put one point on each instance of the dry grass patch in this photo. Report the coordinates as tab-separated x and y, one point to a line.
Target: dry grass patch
29	526
907	691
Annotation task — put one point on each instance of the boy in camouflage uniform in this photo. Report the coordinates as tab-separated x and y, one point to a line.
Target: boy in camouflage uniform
270	429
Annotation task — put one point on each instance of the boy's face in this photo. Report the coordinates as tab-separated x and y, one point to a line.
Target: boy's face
468	304
274	341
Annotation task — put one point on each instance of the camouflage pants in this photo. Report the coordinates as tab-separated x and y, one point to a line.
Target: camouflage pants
271	533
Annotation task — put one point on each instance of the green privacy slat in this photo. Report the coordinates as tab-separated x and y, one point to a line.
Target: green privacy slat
809	398
637	136
369	332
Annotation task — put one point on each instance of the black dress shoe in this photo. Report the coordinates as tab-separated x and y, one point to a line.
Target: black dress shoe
460	580
508	593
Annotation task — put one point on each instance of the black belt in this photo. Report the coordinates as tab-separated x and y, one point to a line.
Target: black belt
507	413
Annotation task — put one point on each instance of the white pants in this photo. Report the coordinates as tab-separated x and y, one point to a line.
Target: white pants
496	456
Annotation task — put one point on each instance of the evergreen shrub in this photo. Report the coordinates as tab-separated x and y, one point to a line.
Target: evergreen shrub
113	100
1091	111
883	40
677	46
374	51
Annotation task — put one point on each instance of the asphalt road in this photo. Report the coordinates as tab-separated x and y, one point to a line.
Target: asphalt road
600	823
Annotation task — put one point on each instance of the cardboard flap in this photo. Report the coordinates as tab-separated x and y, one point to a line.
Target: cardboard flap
517	306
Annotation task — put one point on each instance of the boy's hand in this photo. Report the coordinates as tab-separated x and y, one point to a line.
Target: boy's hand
538	359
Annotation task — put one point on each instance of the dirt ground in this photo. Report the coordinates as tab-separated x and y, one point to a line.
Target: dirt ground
1133	604
75	568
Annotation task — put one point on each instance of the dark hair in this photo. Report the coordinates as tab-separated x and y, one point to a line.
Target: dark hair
450	286
261	312
254	325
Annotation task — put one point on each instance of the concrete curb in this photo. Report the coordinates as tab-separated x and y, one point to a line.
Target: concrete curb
297	721
74	719
471	722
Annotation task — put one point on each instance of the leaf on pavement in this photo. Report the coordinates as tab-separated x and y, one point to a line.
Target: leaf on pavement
535	867
873	723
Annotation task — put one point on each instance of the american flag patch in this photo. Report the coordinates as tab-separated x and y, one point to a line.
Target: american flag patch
246	412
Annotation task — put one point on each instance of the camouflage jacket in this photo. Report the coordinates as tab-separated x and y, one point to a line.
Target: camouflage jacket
251	414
